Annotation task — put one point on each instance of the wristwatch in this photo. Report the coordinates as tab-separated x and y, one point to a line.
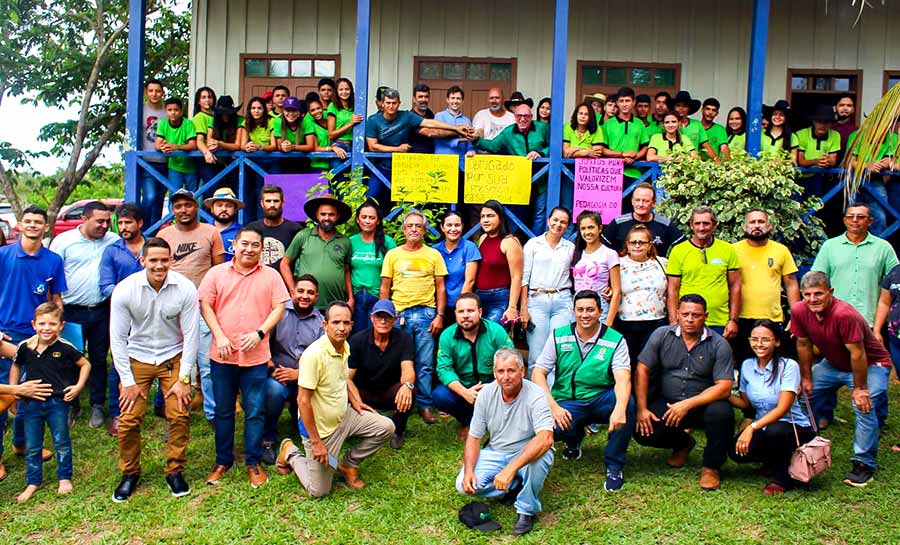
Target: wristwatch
260	333
410	385
185	380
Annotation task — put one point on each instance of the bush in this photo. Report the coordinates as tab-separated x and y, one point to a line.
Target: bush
733	187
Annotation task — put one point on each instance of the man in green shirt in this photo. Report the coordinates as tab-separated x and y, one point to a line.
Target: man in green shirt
624	134
818	147
322	252
465	360
175	133
715	133
876	162
642	109
686	106
706	266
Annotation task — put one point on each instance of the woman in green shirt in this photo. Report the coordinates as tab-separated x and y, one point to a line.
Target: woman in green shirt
663	145
204	100
367	250
736	128
315	132
340	117
779	134
254	137
582	137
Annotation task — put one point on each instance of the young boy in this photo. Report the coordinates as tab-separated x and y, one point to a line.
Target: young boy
50	359
175	133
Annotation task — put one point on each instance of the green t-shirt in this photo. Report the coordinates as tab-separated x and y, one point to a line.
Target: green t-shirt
665	148
324	260
585	141
202	121
888	147
365	267
310	126
705	273
737	141
768	143
621	135
716	136
814	148
695	132
262	135
178	136
342	117
281	130
653	128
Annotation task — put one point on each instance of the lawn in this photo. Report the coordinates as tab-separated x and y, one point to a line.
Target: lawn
410	499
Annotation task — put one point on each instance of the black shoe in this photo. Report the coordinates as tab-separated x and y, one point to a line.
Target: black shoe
159	410
510	497
126	487
268	454
177	484
524	524
860	475
572	453
397	441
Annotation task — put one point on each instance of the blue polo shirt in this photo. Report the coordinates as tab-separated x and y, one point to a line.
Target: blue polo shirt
452	145
116	264
28	281
456	261
392	133
763	392
228	236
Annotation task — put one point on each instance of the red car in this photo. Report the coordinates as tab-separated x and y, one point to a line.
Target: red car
8	234
70	215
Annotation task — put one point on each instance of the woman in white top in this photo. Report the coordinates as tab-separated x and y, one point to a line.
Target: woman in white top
596	267
546	296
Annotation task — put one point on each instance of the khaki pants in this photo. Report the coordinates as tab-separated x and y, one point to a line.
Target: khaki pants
130	423
374	429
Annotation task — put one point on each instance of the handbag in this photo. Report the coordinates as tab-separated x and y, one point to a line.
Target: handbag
812	457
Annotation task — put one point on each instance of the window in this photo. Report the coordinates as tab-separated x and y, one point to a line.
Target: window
476	76
808	88
300	73
607	76
891	78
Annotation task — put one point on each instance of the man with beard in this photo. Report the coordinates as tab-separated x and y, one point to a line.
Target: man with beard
706	266
765	266
322	252
277	231
491	121
845	121
224	206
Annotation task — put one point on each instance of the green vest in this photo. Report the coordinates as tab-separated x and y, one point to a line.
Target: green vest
583	378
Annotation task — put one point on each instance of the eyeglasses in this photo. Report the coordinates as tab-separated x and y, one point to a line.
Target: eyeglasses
382	317
856	216
763	340
703	256
638	243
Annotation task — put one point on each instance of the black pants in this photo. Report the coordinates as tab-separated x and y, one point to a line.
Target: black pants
384	401
636	334
716	419
773	447
95	330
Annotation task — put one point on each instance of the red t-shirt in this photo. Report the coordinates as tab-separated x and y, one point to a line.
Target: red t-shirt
841	325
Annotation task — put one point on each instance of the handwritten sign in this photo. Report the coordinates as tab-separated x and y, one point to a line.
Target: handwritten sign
598	187
424	177
501	177
296	188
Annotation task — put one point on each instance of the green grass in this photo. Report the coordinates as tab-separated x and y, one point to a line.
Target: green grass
410	499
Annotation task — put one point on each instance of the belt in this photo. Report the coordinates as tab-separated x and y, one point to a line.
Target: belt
548	292
101	305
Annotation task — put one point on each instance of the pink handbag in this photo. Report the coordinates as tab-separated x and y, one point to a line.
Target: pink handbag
811	458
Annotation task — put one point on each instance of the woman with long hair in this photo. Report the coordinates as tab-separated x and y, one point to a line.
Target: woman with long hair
542	114
779	134
461	257
736	129
581	136
499	278
203	111
596	267
770	383
221	135
315	132
256	136
367	250
662	145
340	118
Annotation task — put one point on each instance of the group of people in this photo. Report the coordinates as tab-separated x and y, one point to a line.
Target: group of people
636	325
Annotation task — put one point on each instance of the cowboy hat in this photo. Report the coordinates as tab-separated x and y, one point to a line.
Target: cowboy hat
684	97
223	194
780	105
596	96
225	105
311	207
517	99
822	112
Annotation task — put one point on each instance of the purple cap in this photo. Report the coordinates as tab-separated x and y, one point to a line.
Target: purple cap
291	103
385	306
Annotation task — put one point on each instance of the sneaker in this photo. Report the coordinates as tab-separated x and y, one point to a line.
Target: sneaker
126	488
593	429
268	454
177	484
98	417
284	451
614	481
860	475
572	453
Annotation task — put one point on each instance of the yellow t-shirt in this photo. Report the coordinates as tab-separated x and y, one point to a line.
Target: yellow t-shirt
324	370
412	276
762	269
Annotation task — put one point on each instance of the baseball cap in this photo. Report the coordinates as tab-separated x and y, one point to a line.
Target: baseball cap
291	103
476	515
182	194
385	306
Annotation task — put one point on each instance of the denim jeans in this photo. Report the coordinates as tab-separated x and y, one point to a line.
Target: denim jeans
152	193
18	423
206	381
598	410
491	462
415	321
827	379
55	412
363	303
539	219
95	329
227	380
276	396
187	180
453	404
494	303
889	193
548	311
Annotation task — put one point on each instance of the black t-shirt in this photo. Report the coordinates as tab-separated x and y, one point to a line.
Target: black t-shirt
419	143
376	371
665	234
276	240
54	366
892	284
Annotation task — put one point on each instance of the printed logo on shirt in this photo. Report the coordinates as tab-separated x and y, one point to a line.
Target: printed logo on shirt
657	240
716	261
40	288
184	249
771	262
273	250
57	355
894	287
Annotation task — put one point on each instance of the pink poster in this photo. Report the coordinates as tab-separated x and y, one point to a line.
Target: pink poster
598	187
296	188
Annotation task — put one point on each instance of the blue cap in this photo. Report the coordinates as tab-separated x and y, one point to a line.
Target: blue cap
385	306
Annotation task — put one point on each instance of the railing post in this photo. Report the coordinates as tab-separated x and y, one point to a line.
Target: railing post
134	104
757	74
363	8
558	102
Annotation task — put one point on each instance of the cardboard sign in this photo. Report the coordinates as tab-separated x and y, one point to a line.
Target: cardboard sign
424	177
296	188
598	187
502	177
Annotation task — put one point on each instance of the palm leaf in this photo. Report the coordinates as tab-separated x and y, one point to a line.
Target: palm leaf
873	133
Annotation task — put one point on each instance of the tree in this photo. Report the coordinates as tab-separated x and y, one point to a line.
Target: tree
74	53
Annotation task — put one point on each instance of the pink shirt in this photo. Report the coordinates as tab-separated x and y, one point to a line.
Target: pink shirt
242	302
592	270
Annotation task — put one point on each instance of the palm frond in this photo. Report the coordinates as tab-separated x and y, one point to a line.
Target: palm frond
870	137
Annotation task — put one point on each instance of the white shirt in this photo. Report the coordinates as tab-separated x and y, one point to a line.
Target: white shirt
153	327
81	259
490	124
547	268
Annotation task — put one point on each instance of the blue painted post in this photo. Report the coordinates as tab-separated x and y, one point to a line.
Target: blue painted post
361	83
757	73
134	104
558	101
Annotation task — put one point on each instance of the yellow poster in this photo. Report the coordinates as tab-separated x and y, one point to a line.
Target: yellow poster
501	177
424	178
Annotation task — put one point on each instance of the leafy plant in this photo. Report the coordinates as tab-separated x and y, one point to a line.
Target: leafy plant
733	187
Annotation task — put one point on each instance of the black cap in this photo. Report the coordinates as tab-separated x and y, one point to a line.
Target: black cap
476	515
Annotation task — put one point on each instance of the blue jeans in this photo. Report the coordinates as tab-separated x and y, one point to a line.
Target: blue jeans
598	410
206	381
187	180
415	321
251	381
276	395
494	303
889	194
152	193
363	301
55	412
827	379
453	404
548	311
539	219
18	422
491	462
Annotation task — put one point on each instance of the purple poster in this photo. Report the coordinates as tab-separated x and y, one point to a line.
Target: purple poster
296	191
598	187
